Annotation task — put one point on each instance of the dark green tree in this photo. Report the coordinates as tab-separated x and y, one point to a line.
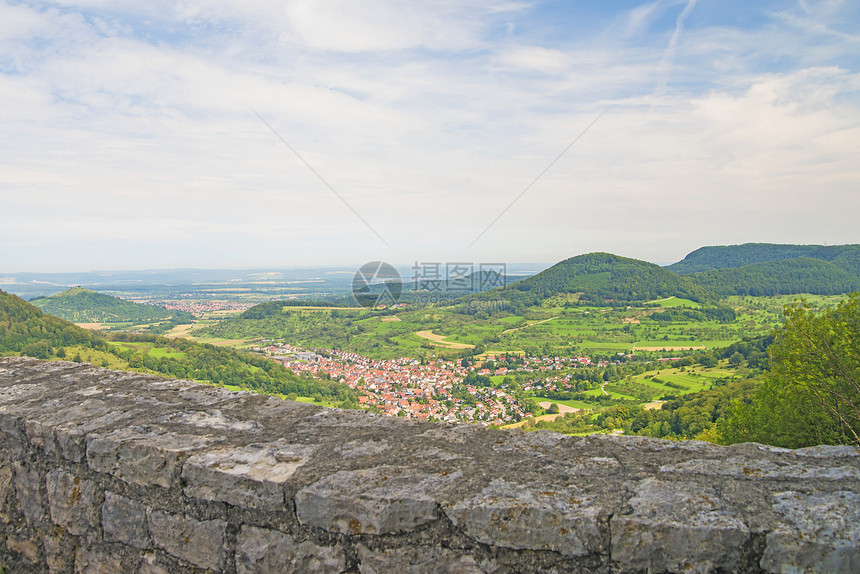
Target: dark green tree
812	394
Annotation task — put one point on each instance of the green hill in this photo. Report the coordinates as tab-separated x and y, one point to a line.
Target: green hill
772	269
604	277
26	330
785	277
80	305
730	256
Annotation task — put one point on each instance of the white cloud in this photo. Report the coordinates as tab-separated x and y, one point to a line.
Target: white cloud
428	120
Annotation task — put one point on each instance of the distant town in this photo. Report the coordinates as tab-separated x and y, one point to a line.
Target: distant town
435	390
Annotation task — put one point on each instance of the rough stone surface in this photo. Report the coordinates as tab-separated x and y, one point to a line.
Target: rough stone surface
149	564
124	520
252	476
375	501
102	471
671	522
141	456
516	516
6	491
420	560
97	561
750	468
818	532
200	542
25	547
28	486
262	551
72	502
59	551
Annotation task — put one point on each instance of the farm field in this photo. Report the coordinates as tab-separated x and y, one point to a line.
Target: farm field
668	327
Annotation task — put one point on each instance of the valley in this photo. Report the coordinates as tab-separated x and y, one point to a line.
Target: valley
588	345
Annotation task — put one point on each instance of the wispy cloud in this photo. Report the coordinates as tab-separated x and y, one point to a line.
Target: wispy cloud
664	71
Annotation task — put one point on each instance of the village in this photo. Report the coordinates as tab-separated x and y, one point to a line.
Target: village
435	390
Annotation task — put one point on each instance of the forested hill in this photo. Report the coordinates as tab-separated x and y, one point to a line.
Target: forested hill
603	276
26	330
786	277
769	269
80	305
730	256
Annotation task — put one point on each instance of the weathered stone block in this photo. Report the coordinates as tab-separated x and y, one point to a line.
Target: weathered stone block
819	532
251	476
360	448
59	551
149	565
71	443
825	451
261	551
200	542
375	501
28	487
515	516
6	491
72	502
677	527
420	560
213	419
25	547
18	393
11	435
62	431
141	457
98	561
124	520
749	468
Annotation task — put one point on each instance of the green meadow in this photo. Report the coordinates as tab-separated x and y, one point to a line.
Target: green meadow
667	327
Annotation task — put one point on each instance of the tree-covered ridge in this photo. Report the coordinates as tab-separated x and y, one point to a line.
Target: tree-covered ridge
604	276
185	359
26	330
272	308
808	394
691	416
812	393
846	257
783	277
80	305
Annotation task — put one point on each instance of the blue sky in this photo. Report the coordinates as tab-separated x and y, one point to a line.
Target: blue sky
130	136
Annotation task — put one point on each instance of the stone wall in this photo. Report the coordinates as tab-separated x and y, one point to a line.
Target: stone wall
113	472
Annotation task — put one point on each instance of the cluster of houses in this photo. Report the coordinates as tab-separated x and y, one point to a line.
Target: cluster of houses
196	306
433	390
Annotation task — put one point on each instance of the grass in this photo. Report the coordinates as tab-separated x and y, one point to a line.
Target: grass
312	401
676	302
615	395
690	380
94	357
166	353
570	403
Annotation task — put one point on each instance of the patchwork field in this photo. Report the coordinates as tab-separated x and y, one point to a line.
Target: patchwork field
666	327
440	341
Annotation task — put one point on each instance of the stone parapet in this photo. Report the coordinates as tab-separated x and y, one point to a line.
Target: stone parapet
104	471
